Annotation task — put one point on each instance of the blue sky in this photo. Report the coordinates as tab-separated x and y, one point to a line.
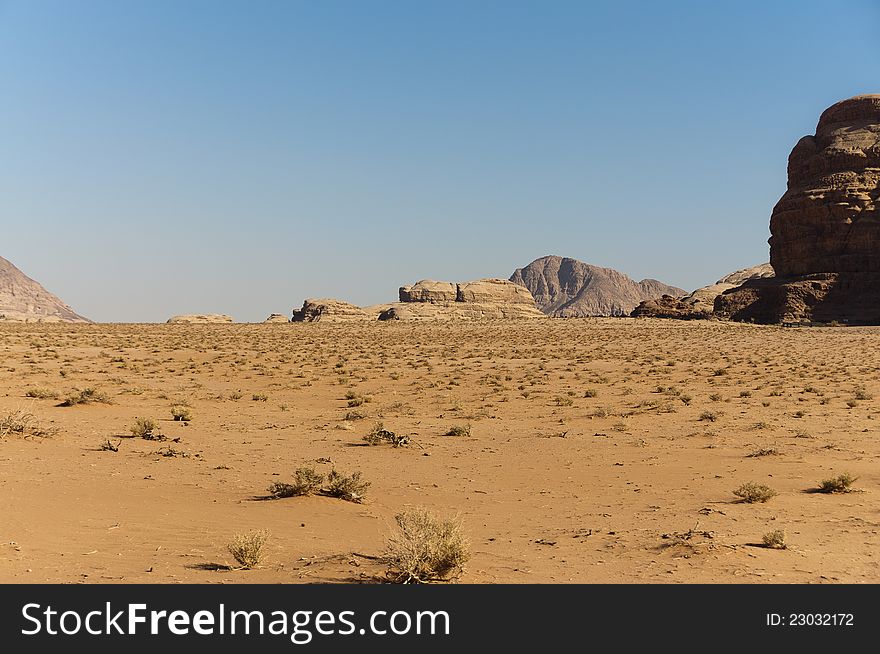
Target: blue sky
163	157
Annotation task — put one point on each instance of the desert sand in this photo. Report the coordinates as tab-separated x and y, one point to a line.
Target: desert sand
599	450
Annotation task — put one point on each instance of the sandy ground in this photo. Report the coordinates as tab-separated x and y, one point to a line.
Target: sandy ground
599	450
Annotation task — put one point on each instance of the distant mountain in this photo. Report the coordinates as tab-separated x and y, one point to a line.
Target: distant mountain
23	299
569	288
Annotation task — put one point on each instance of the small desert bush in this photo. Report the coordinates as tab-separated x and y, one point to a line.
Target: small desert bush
346	487
305	482
775	540
561	400
425	548
145	428
590	392
249	549
711	416
751	492
85	396
110	446
459	430
42	394
839	484
763	451
24	424
181	413
379	435
259	397
862	394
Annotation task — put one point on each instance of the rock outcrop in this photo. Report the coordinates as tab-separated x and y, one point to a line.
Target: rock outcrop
667	306
277	317
25	300
200	318
825	230
703	299
330	310
569	288
701	303
480	299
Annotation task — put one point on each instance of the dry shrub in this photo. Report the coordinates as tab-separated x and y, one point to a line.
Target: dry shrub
751	492
346	487
85	396
775	540
42	394
425	548
146	428
249	549
22	423
181	413
305	482
839	484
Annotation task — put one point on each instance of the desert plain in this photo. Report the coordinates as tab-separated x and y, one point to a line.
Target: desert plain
577	450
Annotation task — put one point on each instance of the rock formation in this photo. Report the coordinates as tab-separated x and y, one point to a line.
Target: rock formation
330	310
701	303
703	299
277	317
484	298
23	299
201	319
667	306
569	288
825	230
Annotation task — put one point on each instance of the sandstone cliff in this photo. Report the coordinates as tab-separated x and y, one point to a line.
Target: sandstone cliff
825	230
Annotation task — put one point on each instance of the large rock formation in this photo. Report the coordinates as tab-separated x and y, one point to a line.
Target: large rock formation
825	230
330	310
23	299
277	317
484	298
200	318
569	288
701	303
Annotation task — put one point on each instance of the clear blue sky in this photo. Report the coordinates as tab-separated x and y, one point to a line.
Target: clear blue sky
162	157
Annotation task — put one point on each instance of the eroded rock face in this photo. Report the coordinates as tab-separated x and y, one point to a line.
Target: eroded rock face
329	310
277	317
569	288
428	290
667	306
825	230
23	299
829	219
201	318
480	299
